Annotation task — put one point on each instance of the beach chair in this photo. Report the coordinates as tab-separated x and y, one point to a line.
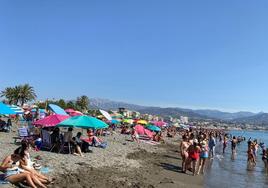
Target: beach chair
46	140
23	135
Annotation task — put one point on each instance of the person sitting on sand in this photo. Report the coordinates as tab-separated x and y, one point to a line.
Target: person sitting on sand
158	137
125	130
26	164
95	141
184	154
193	158
134	135
14	175
77	142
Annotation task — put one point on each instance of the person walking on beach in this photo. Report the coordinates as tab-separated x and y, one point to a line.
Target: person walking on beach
184	154
193	158
211	145
203	156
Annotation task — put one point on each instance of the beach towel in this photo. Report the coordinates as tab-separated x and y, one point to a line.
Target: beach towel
2	179
45	170
151	142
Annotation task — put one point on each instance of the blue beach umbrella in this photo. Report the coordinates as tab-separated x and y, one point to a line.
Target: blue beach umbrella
114	121
5	110
153	128
84	122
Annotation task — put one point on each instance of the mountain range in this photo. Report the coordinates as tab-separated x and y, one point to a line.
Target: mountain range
238	117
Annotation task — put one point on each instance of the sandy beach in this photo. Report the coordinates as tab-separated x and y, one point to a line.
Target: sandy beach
122	164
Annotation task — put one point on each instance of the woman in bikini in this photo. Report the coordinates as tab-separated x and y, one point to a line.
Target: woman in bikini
184	154
14	175
194	154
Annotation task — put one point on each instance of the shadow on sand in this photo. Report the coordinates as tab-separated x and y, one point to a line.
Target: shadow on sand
170	167
172	157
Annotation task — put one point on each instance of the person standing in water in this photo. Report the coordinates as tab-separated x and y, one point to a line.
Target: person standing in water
211	145
225	139
233	144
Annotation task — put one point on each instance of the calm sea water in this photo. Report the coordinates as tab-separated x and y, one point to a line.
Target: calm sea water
223	171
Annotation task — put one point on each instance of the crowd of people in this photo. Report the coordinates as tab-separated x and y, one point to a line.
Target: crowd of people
198	146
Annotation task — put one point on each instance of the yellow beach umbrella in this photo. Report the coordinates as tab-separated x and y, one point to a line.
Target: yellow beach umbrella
143	122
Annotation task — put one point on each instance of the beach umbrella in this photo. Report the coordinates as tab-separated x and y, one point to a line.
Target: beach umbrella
69	110
159	123
153	128
5	110
50	121
143	122
17	109
115	121
56	109
84	122
129	121
106	115
76	113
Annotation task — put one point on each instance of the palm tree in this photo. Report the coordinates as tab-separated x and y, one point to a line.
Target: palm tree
8	93
26	93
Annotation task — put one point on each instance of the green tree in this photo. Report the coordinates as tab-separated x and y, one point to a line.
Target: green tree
26	93
70	104
82	103
62	103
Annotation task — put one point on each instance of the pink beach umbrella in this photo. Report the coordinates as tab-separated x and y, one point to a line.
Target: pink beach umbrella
159	123
69	110
76	113
50	121
142	131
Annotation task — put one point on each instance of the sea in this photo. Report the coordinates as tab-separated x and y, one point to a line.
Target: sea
224	171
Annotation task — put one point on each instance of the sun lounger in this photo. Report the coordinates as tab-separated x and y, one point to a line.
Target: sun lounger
23	135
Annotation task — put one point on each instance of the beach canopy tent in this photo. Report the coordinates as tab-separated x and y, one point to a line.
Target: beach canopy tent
57	110
142	131
159	123
17	109
106	115
153	128
143	122
50	121
84	122
6	110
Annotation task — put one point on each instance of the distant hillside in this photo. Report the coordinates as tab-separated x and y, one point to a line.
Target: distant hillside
224	115
112	105
259	119
174	112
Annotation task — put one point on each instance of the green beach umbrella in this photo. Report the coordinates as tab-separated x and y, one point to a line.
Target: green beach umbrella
84	122
153	128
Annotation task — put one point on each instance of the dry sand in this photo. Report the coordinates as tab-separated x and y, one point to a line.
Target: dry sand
121	164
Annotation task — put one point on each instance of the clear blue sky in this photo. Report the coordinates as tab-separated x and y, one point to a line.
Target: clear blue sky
191	53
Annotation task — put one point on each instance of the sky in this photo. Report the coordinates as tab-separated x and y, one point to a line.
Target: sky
191	53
